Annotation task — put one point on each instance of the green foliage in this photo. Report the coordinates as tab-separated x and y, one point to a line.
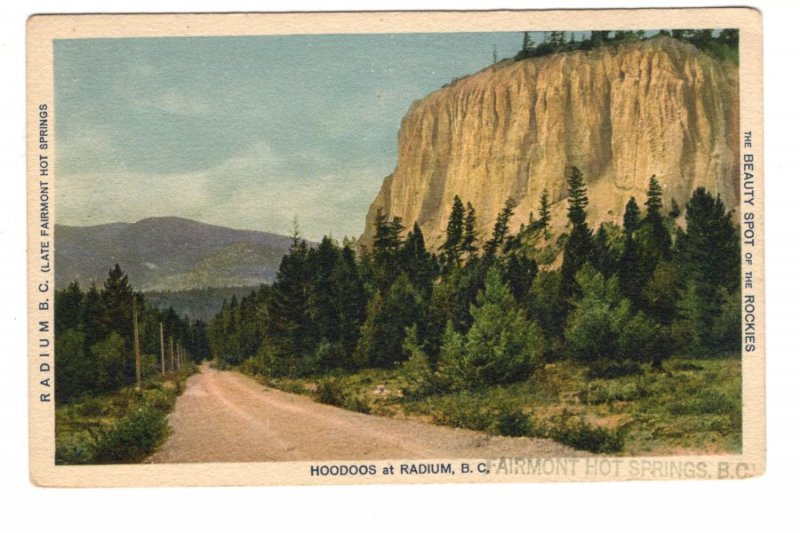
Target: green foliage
579	248
330	391
133	438
581	435
645	340
502	346
416	370
594	326
500	230
111	357
452	246
388	316
544	213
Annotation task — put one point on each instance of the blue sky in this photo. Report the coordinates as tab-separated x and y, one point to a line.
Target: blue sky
246	132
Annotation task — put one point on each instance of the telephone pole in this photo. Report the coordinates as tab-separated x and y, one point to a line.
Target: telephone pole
171	354
162	348
136	347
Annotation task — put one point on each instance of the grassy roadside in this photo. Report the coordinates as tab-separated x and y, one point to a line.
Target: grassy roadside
125	426
691	406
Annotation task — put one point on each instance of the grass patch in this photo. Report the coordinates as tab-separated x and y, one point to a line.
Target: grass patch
691	405
125	426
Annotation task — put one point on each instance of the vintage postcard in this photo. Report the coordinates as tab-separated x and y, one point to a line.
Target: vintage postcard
419	247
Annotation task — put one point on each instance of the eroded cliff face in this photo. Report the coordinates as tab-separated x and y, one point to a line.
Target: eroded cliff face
620	114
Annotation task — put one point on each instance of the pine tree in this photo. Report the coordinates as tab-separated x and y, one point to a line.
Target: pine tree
455	230
469	243
116	297
544	213
386	251
709	258
527	43
500	230
578	249
599	316
68	308
603	256
629	268
656	239
502	346
417	262
289	324
388	316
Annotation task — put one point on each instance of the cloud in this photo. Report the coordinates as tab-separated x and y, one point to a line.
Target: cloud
252	189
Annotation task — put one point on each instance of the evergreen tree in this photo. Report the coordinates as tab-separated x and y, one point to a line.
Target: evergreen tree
600	314
544	213
629	268
500	230
545	304
709	259
386	251
417	262
527	43
117	298
388	316
655	238
578	249
469	243
604	260
68	308
455	230
502	346
289	324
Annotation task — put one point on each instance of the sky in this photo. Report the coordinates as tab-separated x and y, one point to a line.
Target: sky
245	132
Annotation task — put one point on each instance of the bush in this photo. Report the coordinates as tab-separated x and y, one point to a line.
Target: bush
643	339
416	370
75	451
133	438
330	391
461	411
512	422
356	403
581	435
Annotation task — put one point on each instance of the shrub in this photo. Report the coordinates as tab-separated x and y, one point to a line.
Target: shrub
75	450
643	339
580	434
329	391
416	370
356	403
92	406
462	411
133	438
512	422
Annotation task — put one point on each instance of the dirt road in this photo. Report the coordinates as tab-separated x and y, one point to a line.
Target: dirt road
225	416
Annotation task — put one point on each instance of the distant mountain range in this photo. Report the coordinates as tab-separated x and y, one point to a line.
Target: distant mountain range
168	254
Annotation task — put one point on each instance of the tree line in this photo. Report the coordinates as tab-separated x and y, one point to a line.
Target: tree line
723	44
96	341
478	310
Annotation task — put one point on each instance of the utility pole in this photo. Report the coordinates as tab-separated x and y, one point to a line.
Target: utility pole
136	347
171	354
162	348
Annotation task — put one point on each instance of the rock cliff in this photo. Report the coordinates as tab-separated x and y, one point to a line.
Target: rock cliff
619	113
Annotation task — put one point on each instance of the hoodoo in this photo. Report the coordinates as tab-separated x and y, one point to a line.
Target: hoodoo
620	113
